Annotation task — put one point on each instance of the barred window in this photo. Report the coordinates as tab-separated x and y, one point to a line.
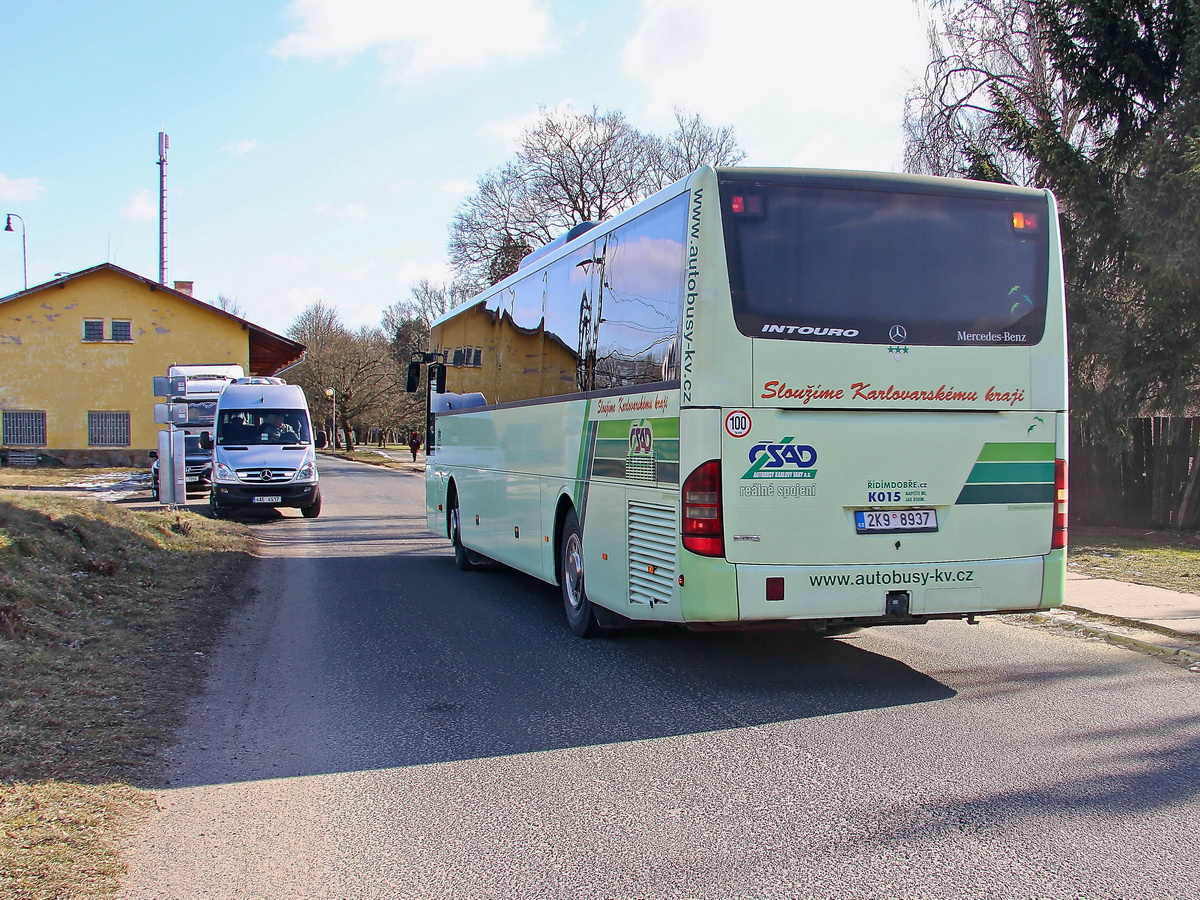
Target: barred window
23	427
108	429
118	330
467	357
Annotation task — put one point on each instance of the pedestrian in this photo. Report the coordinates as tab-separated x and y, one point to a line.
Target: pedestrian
414	443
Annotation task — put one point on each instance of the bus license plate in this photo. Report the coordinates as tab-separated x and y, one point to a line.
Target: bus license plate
894	521
271	499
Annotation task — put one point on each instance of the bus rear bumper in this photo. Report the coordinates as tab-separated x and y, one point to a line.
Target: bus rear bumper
882	594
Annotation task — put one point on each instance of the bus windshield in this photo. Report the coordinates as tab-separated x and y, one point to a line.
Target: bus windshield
262	426
875	266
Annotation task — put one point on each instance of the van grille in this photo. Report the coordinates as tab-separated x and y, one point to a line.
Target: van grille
652	561
265	475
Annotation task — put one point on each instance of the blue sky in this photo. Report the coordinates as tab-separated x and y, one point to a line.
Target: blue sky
319	148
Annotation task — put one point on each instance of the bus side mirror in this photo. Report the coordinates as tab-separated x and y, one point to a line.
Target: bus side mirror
206	440
414	377
440	369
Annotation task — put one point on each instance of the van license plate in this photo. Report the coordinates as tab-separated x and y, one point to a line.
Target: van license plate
894	521
271	499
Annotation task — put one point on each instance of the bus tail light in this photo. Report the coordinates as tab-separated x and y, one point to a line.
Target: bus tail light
702	528
1058	537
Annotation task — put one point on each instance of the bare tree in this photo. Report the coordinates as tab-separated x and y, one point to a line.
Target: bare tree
229	305
695	143
569	168
984	54
356	365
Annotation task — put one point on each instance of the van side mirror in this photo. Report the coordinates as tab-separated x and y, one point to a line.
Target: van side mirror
322	440
206	440
414	377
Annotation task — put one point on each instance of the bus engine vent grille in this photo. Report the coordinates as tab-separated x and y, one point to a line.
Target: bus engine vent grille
652	561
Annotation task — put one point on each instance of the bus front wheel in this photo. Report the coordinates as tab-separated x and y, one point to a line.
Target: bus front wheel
462	556
581	617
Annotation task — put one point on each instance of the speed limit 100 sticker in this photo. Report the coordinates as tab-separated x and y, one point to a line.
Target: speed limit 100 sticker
737	423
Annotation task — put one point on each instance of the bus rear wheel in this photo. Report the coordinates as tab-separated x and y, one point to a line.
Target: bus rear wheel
581	616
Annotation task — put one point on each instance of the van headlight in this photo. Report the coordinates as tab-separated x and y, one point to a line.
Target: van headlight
224	473
307	472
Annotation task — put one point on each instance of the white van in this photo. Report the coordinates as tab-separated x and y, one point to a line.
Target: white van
263	449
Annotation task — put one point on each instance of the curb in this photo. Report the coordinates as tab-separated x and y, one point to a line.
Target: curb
1105	627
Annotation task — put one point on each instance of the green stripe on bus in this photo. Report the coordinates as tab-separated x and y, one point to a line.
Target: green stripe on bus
1011	472
664	451
1006	493
665	429
1017	452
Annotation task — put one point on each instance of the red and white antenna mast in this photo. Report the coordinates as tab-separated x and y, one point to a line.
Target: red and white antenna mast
164	142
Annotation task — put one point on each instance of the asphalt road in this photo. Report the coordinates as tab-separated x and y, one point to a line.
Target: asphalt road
379	725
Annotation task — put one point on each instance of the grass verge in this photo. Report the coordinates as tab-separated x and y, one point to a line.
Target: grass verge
1140	556
106	615
67	479
375	458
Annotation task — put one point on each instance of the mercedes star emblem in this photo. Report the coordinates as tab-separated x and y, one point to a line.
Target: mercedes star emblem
898	334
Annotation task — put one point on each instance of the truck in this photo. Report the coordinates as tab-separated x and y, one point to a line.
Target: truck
196	387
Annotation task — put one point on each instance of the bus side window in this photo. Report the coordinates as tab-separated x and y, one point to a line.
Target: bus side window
642	298
569	289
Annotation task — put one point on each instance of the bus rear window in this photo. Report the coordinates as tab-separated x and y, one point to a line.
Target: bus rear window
879	266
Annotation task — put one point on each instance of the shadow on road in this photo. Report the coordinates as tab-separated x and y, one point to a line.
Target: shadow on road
405	661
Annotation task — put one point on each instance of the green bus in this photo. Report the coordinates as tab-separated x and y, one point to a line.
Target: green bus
822	398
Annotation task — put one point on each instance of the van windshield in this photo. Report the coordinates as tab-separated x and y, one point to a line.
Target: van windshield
262	426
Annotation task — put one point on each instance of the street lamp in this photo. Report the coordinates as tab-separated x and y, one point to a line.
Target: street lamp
333	414
24	254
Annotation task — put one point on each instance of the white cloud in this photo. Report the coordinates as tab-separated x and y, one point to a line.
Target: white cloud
507	131
417	40
288	307
141	207
850	59
410	272
20	190
351	212
458	187
240	147
863	147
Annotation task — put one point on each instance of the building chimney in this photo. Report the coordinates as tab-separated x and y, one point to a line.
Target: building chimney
184	287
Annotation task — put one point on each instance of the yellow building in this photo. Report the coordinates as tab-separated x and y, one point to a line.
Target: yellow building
78	356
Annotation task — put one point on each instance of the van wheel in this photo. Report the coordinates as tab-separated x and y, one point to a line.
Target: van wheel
581	616
463	560
312	510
